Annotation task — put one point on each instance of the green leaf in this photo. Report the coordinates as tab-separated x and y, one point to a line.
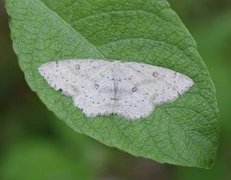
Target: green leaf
183	132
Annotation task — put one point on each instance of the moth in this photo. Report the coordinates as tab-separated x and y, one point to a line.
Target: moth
101	87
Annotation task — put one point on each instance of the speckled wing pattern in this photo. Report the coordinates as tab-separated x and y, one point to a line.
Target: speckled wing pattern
129	89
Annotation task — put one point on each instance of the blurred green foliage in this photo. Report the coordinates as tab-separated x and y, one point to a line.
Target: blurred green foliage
35	145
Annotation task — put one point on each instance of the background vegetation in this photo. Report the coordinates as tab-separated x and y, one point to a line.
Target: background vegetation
34	144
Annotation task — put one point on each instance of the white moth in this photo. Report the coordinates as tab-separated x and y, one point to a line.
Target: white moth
129	89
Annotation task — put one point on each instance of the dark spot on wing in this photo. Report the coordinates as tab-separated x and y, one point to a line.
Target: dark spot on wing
96	86
77	67
134	89
155	74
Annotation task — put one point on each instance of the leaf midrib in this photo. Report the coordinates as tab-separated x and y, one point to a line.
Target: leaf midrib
71	28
